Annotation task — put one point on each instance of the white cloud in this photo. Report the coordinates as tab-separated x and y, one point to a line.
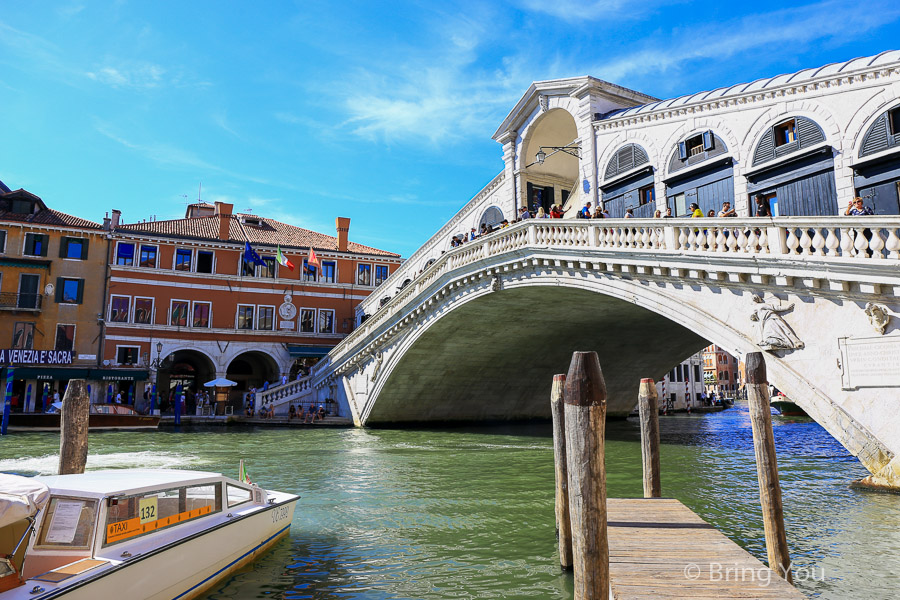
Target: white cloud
589	10
762	33
134	75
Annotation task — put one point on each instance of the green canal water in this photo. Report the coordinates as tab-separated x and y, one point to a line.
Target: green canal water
453	514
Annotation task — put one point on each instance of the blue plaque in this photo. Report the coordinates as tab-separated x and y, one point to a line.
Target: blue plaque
586	186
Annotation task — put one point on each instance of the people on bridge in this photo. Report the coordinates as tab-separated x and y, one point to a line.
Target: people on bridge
711	213
763	209
629	213
598	213
586	211
857	208
541	214
695	210
657	214
556	212
727	211
524	214
668	214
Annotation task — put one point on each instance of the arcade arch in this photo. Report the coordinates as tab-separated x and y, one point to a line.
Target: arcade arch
554	179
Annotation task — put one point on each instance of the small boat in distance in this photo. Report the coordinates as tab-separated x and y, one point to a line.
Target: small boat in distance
102	416
785	407
132	533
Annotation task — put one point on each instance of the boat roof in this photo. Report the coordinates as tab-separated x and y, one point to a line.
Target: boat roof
120	481
20	497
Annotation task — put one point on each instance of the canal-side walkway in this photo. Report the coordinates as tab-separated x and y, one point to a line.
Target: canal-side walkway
659	548
223	420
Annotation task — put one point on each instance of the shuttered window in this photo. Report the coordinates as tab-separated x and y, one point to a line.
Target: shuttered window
35	244
69	291
883	134
626	158
786	137
76	248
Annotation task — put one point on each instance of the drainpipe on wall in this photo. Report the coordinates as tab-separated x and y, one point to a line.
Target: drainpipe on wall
101	319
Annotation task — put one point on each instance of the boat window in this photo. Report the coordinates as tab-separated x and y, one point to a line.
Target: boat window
68	523
236	495
135	515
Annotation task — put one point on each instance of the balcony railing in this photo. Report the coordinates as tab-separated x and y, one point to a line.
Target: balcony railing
14	301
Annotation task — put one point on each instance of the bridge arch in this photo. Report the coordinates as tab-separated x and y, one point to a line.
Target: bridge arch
549	182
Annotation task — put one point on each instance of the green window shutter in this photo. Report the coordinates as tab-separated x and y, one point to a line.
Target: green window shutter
63	247
59	289
45	245
80	291
84	248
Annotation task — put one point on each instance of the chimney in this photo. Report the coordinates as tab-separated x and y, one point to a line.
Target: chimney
224	212
342	224
116	217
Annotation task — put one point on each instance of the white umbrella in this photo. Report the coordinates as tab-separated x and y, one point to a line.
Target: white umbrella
220	382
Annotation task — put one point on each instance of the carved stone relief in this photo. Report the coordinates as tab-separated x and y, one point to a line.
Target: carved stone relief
879	316
774	332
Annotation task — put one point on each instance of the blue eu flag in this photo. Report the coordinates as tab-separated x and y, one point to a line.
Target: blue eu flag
251	256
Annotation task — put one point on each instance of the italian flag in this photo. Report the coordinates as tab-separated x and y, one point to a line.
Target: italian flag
282	259
242	474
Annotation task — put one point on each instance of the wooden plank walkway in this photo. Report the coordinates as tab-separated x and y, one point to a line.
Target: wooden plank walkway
659	548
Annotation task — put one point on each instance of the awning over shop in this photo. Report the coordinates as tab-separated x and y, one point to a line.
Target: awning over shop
50	373
62	374
308	351
120	374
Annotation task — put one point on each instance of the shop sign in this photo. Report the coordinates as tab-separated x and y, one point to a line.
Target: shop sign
16	356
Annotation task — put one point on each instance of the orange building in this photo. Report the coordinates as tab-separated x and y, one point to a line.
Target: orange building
184	303
52	275
720	370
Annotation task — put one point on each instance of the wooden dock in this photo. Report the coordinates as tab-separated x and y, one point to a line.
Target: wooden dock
659	548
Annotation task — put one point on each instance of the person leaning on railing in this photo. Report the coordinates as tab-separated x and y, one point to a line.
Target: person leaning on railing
856	208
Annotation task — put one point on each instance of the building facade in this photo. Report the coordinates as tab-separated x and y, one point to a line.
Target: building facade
806	142
682	387
720	371
52	288
186	304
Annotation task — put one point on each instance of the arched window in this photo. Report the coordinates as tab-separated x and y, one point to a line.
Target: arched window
492	216
883	134
787	136
695	149
625	159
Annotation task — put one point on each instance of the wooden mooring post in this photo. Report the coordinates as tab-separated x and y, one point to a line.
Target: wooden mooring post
585	424
767	466
649	415
73	428
563	525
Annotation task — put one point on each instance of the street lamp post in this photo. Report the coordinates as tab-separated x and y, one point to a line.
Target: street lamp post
155	365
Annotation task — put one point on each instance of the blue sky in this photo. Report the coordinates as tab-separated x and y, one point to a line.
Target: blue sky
381	112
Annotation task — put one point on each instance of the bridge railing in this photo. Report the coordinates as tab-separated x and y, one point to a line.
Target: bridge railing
838	239
283	394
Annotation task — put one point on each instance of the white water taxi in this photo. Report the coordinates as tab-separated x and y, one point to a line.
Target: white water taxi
132	533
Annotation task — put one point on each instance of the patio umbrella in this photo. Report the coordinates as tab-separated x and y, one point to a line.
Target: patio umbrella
220	382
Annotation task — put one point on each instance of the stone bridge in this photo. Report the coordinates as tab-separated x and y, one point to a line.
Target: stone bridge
478	334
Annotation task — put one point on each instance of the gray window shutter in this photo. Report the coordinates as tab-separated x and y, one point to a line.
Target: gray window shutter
708	140
59	289
84	248
682	150
80	296
63	247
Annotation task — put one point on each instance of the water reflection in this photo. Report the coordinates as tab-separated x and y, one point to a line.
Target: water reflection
468	513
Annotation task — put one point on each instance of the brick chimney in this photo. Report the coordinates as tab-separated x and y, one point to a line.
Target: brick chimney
342	224
224	212
116	217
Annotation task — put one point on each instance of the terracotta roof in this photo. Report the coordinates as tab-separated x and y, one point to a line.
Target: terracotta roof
269	232
44	216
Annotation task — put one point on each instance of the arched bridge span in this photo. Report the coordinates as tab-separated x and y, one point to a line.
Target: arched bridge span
479	333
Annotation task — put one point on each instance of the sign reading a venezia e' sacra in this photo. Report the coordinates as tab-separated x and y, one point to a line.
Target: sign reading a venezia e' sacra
15	356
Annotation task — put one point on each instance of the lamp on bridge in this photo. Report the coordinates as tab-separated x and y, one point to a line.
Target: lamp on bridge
571	149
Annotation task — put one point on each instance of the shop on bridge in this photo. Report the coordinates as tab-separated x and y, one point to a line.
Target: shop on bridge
628	183
793	168
700	171
877	172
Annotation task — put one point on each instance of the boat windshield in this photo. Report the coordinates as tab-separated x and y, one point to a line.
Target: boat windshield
130	516
68	523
